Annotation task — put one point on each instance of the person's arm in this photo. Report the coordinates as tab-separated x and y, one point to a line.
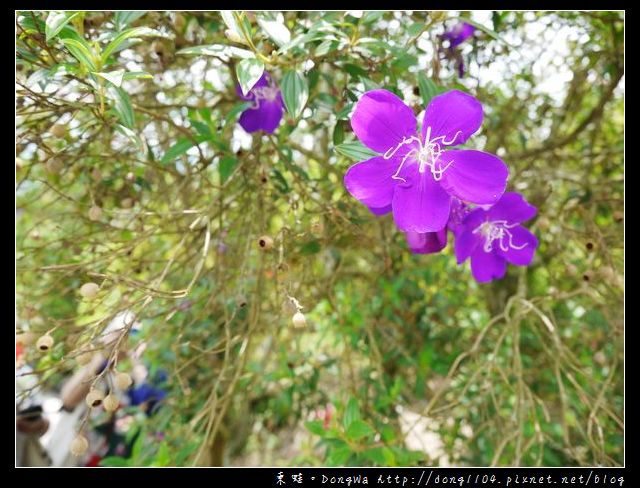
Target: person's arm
75	390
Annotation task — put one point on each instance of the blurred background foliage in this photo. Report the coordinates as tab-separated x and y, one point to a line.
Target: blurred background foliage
132	172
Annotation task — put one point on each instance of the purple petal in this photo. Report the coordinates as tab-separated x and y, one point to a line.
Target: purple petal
422	206
487	266
453	117
465	240
519	237
380	211
513	208
266	117
474	176
381	120
427	243
370	182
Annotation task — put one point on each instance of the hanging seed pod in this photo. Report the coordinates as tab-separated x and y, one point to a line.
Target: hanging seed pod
79	445
58	130
122	380
265	243
111	403
89	290
299	320
94	398
54	166
45	343
95	213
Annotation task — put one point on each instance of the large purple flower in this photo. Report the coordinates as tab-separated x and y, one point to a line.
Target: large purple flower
415	176
493	237
267	106
458	34
434	242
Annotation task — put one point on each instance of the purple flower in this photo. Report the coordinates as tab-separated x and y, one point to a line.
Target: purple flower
491	238
267	105
414	176
434	242
458	34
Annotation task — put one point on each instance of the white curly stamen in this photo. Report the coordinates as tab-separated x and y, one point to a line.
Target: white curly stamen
267	93
426	154
497	230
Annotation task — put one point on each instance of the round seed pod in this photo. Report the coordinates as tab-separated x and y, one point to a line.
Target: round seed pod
96	175
94	398
79	445
84	358
95	213
89	290
45	343
110	403
126	203
58	130
299	320
265	243
54	165
241	301
122	380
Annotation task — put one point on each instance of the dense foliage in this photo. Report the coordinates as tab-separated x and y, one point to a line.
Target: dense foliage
133	173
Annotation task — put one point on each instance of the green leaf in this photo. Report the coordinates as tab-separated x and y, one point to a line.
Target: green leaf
277	31
138	75
311	247
163	458
133	137
382	456
231	23
218	50
181	147
249	72
428	89
123	36
355	150
114	461
56	20
339	456
115	77
416	28
351	413
338	133
345	112
226	167
124	18
295	92
315	427
359	429
82	52
122	106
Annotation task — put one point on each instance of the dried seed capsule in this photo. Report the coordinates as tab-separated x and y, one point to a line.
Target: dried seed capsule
95	213
45	342
84	358
265	243
89	290
122	380
299	320
94	398
126	203
79	445
241	301
54	165
111	403
96	175
58	130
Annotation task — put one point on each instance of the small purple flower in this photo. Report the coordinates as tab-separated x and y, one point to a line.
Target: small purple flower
493	237
267	106
414	176
458	34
